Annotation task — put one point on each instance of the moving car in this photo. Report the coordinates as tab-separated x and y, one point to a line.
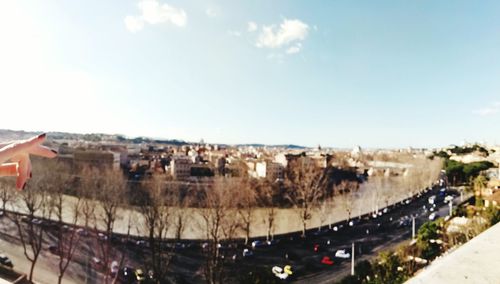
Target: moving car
5	260
433	216
126	274
316	247
282	273
327	260
139	275
114	268
341	253
431	199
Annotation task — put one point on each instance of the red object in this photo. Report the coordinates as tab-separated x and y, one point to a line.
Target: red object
327	260
316	248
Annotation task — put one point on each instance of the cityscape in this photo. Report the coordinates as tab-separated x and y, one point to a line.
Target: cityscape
168	141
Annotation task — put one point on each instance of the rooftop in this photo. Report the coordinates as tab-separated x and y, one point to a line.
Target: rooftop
474	262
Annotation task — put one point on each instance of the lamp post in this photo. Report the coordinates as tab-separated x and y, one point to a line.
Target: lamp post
352	260
413	228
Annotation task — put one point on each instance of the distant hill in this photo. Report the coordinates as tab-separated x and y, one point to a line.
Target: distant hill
288	146
6	135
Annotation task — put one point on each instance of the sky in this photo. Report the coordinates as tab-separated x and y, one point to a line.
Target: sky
336	73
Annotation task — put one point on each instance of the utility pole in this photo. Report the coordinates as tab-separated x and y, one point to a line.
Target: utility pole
413	228
451	207
352	260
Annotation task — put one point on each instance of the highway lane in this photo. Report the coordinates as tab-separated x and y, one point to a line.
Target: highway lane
389	236
370	239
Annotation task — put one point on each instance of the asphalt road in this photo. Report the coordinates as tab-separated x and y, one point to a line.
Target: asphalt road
370	235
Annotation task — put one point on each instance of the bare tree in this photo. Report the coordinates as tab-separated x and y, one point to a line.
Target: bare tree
376	191
246	202
157	213
181	217
6	194
109	192
266	193
56	185
323	213
306	185
347	191
33	201
219	223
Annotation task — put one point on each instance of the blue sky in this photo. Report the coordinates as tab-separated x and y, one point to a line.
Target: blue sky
335	73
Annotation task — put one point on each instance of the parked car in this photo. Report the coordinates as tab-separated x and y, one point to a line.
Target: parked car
37	221
327	260
289	255
97	263
102	237
272	242
341	253
67	228
82	232
5	260
54	249
247	253
256	244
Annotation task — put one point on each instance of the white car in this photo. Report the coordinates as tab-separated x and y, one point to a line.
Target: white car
432	199
448	199
432	216
282	273
341	253
114	268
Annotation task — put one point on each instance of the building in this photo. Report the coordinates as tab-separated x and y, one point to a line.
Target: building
180	167
270	170
97	159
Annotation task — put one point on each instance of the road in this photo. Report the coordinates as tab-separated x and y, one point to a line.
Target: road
369	237
389	234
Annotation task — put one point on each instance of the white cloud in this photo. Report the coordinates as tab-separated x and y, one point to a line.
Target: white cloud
289	31
489	110
133	24
211	13
294	48
153	12
252	27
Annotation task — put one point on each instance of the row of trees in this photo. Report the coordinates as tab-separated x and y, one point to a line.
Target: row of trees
94	199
